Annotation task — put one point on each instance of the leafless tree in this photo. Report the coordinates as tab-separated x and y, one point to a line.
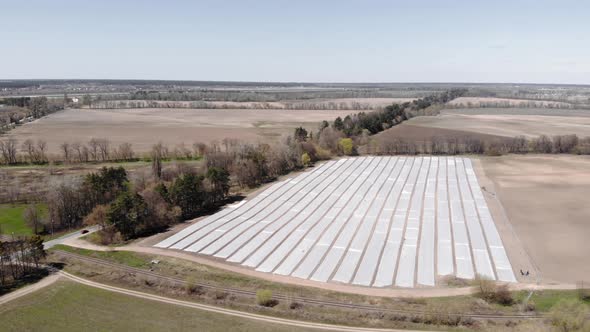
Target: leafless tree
9	151
32	217
156	154
200	149
125	151
183	151
41	148
93	150
66	150
28	147
103	147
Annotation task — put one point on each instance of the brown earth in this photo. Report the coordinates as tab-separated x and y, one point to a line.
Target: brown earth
546	200
419	134
505	102
508	125
145	127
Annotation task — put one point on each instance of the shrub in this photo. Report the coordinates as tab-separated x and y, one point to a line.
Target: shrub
264	298
570	315
346	146
305	159
485	287
220	295
583	292
503	296
489	291
192	287
530	306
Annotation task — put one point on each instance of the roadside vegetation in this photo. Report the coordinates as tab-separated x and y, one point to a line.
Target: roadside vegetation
283	300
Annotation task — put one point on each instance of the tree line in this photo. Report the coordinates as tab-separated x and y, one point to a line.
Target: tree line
127	207
440	145
18	110
262	95
289	105
19	257
95	150
343	135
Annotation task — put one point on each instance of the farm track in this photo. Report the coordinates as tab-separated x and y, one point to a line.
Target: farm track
252	294
224	311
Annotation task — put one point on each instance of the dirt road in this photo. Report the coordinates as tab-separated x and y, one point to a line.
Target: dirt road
29	289
235	313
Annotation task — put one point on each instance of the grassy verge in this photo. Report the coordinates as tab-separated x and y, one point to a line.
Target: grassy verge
441	309
192	273
544	300
12	218
122	257
67	306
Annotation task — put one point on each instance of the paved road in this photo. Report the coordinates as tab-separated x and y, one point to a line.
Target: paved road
73	235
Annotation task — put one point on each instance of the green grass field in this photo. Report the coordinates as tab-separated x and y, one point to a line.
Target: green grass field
12	221
68	306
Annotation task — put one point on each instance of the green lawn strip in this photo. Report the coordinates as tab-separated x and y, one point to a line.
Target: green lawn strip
68	306
12	218
544	300
122	257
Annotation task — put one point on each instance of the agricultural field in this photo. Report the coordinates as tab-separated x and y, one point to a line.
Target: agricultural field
492	122
146	127
68	306
470	102
545	197
369	221
419	134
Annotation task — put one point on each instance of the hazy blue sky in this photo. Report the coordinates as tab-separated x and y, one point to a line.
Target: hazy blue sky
327	41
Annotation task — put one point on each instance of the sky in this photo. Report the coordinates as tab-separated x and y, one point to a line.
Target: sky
298	41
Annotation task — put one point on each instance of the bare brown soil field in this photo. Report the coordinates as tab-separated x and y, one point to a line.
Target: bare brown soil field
546	201
145	127
508	125
419	134
517	111
505	102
